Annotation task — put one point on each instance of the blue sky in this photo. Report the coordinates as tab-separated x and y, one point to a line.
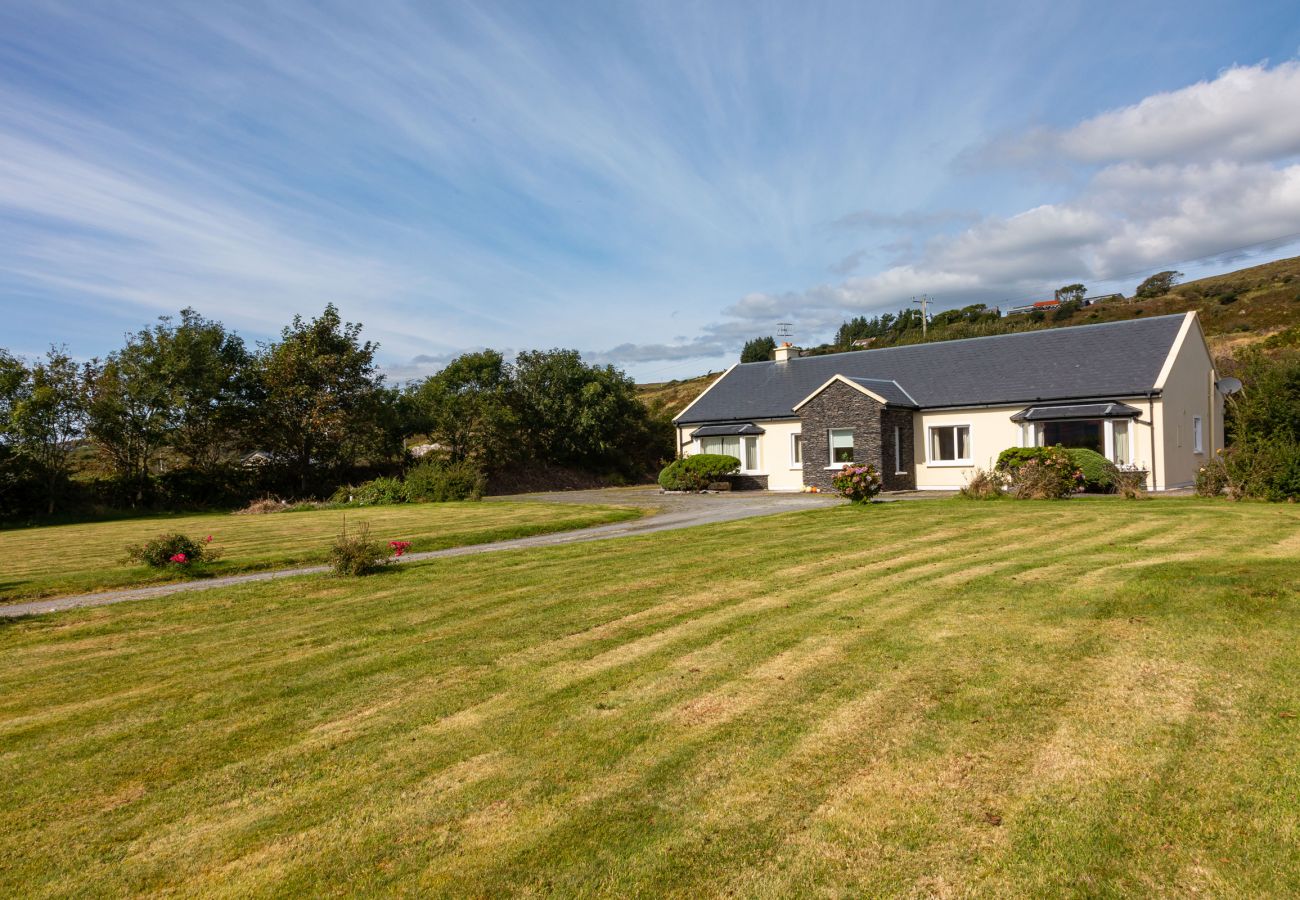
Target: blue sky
650	183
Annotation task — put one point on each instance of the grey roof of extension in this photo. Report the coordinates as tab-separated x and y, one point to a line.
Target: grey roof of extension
1113	359
1077	411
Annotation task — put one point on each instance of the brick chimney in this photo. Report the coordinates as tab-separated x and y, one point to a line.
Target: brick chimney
786	352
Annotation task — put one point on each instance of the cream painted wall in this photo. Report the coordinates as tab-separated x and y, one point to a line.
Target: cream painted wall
1187	391
773	452
991	432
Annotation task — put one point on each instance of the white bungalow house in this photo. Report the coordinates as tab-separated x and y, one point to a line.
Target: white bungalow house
1142	392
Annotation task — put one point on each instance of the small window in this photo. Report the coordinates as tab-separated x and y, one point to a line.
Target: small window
898	451
751	454
1196	435
950	443
841	445
796	451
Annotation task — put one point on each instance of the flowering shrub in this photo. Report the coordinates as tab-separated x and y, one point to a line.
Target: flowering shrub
858	483
1049	475
399	547
172	550
1211	478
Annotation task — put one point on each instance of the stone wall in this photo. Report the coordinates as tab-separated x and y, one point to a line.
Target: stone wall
840	406
748	482
902	419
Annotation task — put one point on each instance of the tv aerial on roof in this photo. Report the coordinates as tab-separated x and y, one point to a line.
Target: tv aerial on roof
783	330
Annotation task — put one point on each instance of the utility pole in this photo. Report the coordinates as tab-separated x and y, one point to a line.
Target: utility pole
925	314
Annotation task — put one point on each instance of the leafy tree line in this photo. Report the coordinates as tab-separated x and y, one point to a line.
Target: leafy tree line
186	414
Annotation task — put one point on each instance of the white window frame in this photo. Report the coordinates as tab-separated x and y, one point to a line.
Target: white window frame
830	448
758	452
949	463
796	457
1198	435
898	451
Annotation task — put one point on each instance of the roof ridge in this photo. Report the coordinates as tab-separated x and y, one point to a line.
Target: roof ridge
983	337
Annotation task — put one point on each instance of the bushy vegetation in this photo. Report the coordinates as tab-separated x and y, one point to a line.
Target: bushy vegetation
355	552
1211	478
1098	472
432	481
1039	473
858	484
1263	425
439	482
172	551
185	416
695	473
983	485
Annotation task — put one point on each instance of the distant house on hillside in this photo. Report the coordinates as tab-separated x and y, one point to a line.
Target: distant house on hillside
1142	392
1101	298
1042	305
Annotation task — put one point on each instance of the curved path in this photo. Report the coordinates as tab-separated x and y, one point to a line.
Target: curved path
669	511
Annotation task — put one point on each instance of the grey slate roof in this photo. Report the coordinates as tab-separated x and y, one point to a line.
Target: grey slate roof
891	390
1113	359
726	430
1077	411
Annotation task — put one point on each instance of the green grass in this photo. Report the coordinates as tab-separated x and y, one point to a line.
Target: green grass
938	698
70	559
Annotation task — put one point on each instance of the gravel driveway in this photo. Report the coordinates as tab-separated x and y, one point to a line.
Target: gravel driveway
669	511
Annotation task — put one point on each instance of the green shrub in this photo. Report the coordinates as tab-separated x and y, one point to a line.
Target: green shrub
1098	472
440	482
982	485
1266	469
376	492
168	551
1211	478
857	483
1014	457
1049	475
695	473
356	553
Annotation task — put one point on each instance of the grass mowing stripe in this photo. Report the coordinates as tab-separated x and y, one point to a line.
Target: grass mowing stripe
848	740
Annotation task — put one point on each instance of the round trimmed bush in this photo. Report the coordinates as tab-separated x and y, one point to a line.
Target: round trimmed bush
695	473
1098	472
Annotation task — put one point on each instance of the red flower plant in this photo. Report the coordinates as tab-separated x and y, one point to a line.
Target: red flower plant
399	547
180	559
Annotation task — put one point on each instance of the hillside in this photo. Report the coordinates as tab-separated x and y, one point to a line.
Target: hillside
672	396
1260	304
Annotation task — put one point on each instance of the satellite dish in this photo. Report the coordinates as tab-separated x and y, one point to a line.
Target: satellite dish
1228	385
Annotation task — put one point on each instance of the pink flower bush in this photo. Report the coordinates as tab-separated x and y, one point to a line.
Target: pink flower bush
179	558
399	547
858	483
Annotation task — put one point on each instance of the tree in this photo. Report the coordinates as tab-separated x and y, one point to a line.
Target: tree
1071	293
47	415
1157	285
582	416
758	350
320	401
129	408
208	370
467	408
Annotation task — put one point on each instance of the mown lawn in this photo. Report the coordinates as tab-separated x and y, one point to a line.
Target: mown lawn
70	559
938	698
